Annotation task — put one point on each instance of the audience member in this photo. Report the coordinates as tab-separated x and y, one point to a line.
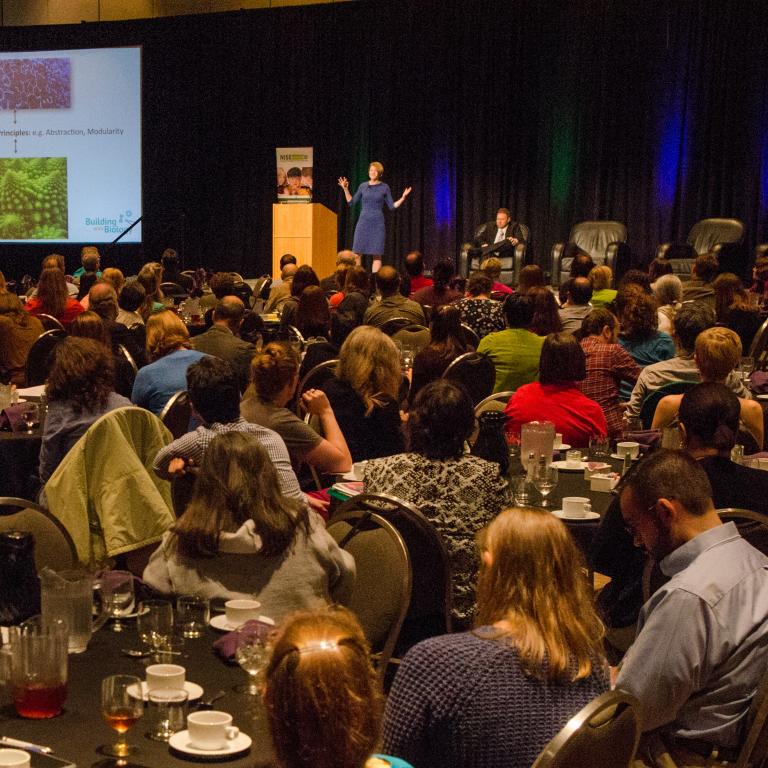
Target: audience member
90	261
364	393
241	537
760	278
658	268
171	264
18	332
414	267
281	292
531	276
351	309
319	665
304	277
733	310
702	642
701	285
478	310
556	396
492	267
515	351
344	259
222	339
221	284
459	493
170	353
275	374
717	354
104	302
80	389
692	318
87	281
608	364
392	303
115	278
546	317
53	298
576	306
313	315
494	697
88	325
635	277
440	292
710	416
149	278
601	279
668	290
285	259
581	265
129	301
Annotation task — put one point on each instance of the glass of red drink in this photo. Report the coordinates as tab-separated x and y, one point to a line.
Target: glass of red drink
122	705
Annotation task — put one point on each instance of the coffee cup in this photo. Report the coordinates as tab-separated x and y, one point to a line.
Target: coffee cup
239	611
573	459
211	729
165	676
575	506
630	447
14	758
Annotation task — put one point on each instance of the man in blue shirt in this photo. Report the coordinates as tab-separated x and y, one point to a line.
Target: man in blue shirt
702	643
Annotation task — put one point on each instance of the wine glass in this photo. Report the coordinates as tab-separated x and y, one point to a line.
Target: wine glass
121	711
747	366
251	655
118	596
154	622
31	417
545	480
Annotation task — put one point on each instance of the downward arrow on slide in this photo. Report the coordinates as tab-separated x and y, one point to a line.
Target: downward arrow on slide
14	147
14	117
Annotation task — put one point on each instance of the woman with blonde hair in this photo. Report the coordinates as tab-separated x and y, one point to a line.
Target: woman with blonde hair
170	354
18	332
115	278
149	278
601	279
53	298
321	693
364	394
495	696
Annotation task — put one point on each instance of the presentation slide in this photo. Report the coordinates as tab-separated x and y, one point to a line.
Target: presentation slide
70	145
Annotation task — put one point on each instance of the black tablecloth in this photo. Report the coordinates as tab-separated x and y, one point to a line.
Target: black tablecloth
80	729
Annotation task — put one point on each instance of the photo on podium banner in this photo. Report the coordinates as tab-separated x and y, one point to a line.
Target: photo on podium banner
294	174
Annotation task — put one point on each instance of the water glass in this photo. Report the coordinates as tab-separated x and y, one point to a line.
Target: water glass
168	712
251	654
545	480
746	367
30	415
630	425
154	622
118	596
599	447
193	614
522	491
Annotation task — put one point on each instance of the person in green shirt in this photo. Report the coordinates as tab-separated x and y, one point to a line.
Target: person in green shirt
602	293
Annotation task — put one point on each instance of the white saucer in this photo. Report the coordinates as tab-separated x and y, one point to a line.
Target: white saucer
597	465
180	743
351	477
220	622
562	447
564	467
621	458
589	516
761	397
193	689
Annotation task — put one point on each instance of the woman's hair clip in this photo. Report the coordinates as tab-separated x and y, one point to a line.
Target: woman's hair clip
323	645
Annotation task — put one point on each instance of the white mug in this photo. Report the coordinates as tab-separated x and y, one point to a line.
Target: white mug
211	730
630	447
575	506
240	611
14	758
165	676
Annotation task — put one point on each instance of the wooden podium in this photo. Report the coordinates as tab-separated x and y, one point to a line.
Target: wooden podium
308	231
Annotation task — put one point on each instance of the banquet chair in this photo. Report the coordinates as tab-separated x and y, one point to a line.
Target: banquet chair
314	378
758	350
53	544
648	406
394	324
125	371
495	402
429	611
176	413
182	487
604	733
175	291
38	359
707	235
413	336
382	591
470	337
475	372
604	241
293	336
754	748
50	323
753	526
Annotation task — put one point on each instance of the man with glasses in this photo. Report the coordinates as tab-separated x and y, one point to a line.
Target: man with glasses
702	643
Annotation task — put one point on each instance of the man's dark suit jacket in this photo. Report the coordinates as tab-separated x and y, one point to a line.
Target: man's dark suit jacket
488	233
221	342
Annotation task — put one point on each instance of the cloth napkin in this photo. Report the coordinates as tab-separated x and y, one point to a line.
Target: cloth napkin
758	382
649	439
10	418
226	645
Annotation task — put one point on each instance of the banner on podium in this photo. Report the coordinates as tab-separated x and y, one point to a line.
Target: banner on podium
294	174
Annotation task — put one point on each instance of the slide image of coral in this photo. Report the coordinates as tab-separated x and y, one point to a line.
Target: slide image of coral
33	198
35	83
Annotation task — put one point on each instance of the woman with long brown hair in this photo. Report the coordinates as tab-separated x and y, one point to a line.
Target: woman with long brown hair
492	698
546	318
53	298
18	332
240	537
170	353
80	389
733	310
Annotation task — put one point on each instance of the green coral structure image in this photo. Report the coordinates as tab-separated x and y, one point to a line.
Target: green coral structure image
33	198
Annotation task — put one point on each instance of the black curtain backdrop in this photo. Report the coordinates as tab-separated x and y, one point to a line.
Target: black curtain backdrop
652	113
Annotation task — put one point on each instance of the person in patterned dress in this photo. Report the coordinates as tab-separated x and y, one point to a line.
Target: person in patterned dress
479	311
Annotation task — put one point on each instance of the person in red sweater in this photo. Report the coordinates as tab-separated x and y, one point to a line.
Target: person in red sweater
556	396
53	298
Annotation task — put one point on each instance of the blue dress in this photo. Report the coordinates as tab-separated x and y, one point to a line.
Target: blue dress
369	232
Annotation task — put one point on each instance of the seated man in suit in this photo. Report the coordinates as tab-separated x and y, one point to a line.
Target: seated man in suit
500	235
702	642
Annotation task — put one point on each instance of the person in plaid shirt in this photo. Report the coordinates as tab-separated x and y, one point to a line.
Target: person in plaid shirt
608	363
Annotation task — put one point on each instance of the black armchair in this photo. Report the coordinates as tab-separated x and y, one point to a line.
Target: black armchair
512	257
705	236
604	241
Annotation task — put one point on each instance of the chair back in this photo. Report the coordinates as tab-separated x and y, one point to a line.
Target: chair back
605	733
470	337
413	336
313	379
753	526
382	591
174	290
53	544
38	359
495	402
182	487
602	240
758	350
125	371
50	323
708	233
429	610
394	324
176	413
754	749
648	407
292	335
475	372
